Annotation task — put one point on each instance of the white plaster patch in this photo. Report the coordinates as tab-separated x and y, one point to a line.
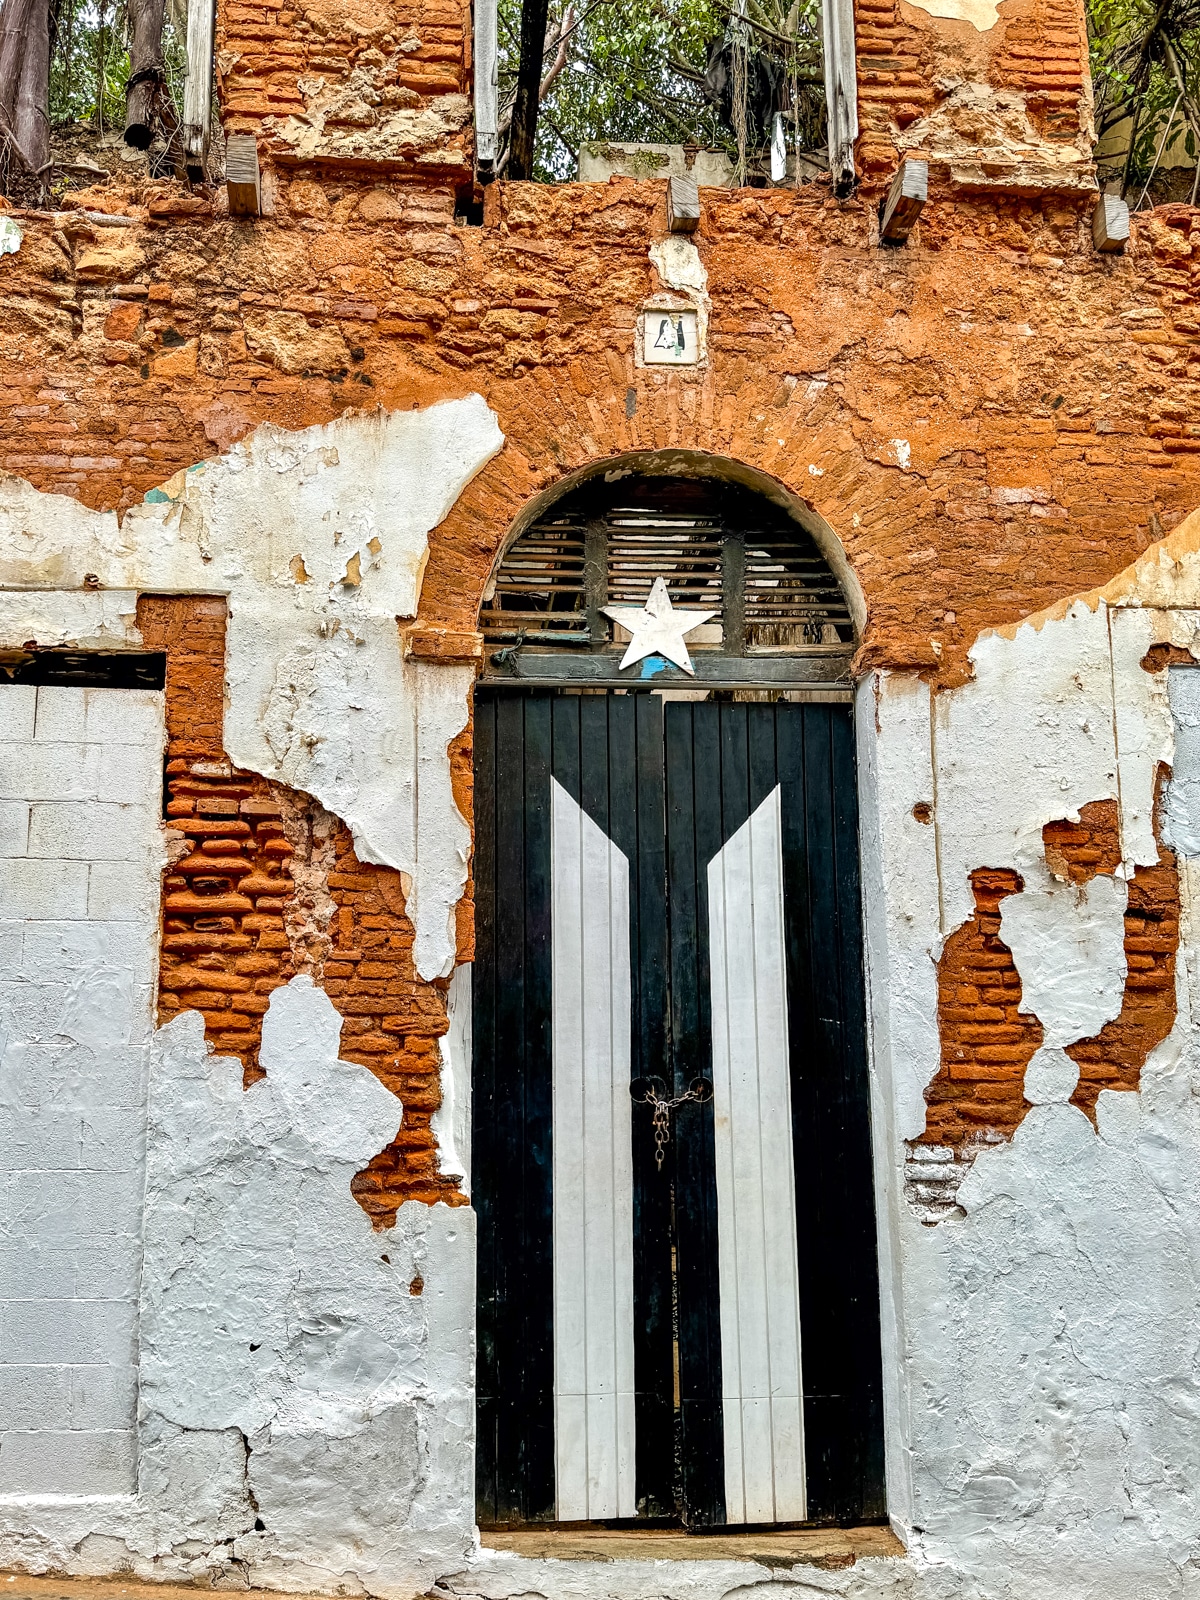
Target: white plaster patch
1028	741
1181	829
451	1122
983	15
272	1311
680	268
100	620
1068	943
1050	1078
319	539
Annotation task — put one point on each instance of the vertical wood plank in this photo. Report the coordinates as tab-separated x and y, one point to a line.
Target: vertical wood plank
652	1188
512	1126
692	743
483	1029
756	1202
593	1178
839	1302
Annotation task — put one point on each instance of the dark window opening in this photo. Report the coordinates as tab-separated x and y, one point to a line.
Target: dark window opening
85	669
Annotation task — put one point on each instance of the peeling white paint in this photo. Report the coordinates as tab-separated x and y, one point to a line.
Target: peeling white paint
101	620
1181	829
1050	1077
983	15
681	269
319	695
451	1122
302	1410
1068	943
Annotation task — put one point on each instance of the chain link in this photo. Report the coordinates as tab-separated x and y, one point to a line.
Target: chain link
662	1110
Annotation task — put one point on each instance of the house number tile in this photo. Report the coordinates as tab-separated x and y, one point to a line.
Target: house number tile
669	338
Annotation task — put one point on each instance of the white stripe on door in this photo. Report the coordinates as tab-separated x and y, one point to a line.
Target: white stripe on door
756	1186
593	1169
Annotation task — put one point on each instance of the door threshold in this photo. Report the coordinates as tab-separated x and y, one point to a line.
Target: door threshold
830	1548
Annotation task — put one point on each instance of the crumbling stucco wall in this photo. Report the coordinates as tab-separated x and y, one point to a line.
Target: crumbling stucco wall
1037	1350
302	1381
319	540
1040	1294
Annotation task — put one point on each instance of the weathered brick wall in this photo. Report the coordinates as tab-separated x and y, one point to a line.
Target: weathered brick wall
382	85
1004	104
987	1041
265	884
989	419
1044	394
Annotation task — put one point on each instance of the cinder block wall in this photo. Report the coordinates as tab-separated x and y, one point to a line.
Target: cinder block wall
80	857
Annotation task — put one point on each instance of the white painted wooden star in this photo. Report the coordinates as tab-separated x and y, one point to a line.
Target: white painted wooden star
657	629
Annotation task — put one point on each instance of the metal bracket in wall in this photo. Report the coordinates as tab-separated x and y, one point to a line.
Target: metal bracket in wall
1110	224
905	201
242	175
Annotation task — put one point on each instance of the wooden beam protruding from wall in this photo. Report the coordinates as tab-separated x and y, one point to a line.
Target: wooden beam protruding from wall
1110	224
905	201
841	92
242	182
487	92
197	90
683	205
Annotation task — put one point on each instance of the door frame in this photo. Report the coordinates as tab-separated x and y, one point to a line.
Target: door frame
836	1494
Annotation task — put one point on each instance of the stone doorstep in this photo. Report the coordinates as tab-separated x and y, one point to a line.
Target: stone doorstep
828	1548
819	1547
20	1586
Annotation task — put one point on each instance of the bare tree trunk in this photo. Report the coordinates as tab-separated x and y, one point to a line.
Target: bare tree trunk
146	18
25	80
534	15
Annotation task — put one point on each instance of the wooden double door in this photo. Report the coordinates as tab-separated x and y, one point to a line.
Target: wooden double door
677	1302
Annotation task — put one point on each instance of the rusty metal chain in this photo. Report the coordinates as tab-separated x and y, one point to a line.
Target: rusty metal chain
700	1091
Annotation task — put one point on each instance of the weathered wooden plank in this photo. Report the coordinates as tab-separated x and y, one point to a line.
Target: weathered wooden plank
693	763
841	91
593	1178
905	201
683	205
242	183
1110	224
485	57
762	1398
197	89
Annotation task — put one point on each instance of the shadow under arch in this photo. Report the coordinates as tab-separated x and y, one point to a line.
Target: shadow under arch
697	464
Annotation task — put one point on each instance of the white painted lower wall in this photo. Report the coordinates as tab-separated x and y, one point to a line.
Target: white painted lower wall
303	1416
80	859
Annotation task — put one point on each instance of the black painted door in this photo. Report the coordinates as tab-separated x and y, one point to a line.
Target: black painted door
680	1328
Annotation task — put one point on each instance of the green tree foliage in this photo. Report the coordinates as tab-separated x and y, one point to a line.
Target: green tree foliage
1145	60
634	71
89	63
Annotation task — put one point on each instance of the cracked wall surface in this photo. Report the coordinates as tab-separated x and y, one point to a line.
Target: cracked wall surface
285	1389
986	421
264	883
